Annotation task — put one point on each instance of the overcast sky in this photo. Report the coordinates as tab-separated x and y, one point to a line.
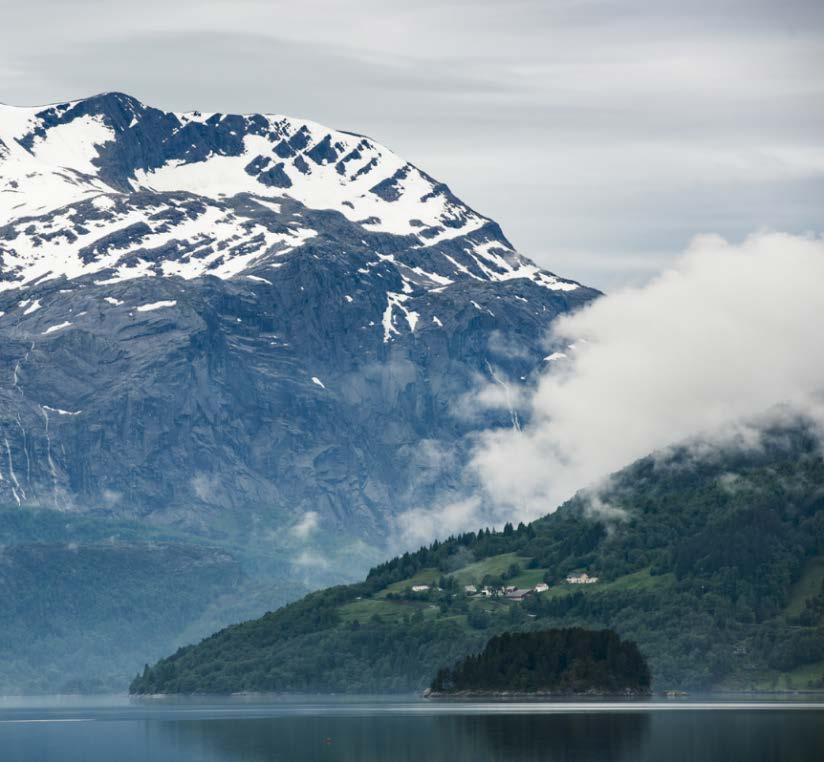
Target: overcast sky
601	135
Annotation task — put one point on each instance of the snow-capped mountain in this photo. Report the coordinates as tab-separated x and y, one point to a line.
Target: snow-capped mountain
104	186
251	331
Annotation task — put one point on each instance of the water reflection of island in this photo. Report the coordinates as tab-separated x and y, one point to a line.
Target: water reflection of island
411	733
557	737
439	738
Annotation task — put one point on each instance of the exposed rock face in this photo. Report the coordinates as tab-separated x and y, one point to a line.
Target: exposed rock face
249	329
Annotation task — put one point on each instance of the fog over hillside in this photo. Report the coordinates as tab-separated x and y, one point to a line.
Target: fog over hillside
716	347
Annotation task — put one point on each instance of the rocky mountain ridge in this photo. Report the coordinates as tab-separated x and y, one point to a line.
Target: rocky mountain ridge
167	277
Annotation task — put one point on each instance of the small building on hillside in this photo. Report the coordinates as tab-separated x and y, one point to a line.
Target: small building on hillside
420	588
517	594
581	579
541	587
470	589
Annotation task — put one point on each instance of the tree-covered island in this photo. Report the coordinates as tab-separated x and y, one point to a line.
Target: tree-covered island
562	662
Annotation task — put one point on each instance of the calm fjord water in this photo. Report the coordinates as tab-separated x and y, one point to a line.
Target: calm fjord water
113	729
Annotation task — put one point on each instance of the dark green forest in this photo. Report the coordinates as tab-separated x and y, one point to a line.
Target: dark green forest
561	661
711	561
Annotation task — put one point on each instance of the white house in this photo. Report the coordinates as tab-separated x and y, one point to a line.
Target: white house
420	588
470	589
581	579
541	587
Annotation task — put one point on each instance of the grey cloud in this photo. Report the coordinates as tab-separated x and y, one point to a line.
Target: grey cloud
596	133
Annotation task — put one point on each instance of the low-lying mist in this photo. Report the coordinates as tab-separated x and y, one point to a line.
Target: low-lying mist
702	352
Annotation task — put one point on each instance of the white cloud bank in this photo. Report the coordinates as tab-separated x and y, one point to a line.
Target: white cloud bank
728	333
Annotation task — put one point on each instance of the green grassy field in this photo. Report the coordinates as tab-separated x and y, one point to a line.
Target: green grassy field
423	577
495	566
529	578
364	609
640	580
395	610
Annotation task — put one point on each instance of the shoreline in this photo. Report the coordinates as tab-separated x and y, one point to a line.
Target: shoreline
537	695
427	694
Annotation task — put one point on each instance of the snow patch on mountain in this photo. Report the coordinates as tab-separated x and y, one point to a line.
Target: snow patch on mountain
109	187
151	307
58	327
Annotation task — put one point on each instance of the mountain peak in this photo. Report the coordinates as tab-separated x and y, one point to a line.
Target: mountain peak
109	184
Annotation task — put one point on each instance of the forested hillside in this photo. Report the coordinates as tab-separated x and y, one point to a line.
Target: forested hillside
710	560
